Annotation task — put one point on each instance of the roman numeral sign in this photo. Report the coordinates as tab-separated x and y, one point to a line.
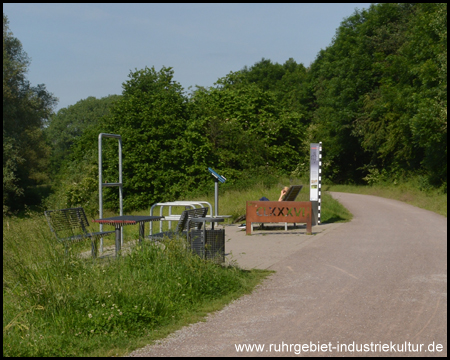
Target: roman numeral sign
279	211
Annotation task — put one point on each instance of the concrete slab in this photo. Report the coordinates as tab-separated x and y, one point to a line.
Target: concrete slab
265	248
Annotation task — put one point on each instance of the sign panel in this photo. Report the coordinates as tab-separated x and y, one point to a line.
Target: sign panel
221	178
278	211
314	172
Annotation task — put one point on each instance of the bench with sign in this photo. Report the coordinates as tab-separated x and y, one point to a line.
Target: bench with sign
278	211
72	225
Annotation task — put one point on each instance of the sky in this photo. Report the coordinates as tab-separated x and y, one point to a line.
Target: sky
82	50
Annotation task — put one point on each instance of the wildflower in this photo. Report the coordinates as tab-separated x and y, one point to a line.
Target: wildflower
92	331
90	316
120	313
103	305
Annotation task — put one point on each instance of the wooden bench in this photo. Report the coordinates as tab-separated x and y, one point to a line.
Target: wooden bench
183	226
72	225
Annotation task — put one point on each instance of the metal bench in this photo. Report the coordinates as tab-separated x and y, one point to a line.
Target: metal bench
183	226
292	192
72	225
186	204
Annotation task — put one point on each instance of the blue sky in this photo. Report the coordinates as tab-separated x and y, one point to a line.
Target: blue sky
81	50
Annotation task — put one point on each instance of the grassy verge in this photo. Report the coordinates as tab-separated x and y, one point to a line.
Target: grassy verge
407	191
57	305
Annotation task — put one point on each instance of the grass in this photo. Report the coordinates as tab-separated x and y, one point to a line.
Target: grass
408	191
57	305
64	305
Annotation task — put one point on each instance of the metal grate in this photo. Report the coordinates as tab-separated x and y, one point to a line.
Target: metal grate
214	248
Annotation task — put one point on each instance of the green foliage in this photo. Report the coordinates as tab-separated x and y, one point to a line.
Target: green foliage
68	124
76	183
63	305
25	110
248	129
151	117
380	92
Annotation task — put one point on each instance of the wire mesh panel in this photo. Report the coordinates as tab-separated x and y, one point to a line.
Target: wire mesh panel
214	246
68	223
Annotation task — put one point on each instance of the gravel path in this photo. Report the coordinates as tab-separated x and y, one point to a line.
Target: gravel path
376	284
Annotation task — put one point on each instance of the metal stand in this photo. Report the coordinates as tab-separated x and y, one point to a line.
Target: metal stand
216	196
101	185
217	178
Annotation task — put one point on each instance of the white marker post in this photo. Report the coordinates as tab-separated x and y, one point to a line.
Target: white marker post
316	178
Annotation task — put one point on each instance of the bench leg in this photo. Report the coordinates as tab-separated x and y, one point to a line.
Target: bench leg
141	231
118	240
94	248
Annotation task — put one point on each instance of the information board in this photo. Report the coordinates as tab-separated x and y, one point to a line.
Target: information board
314	172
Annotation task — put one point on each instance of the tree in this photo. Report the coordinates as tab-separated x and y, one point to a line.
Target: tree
152	119
25	110
68	125
380	94
248	129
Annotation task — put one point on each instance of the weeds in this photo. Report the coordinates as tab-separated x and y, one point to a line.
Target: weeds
61	305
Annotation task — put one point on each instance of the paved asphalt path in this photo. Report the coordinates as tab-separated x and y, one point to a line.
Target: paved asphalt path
379	280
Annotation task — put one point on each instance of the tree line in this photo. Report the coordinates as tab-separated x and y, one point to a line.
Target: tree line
376	98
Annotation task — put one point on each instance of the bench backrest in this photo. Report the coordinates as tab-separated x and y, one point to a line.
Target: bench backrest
66	223
292	192
189	214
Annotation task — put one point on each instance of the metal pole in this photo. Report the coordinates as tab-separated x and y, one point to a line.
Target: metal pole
100	194
120	187
101	185
216	196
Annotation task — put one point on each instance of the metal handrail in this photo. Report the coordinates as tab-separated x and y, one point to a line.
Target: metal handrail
175	217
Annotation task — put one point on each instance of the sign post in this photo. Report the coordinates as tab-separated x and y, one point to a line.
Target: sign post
316	177
217	178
